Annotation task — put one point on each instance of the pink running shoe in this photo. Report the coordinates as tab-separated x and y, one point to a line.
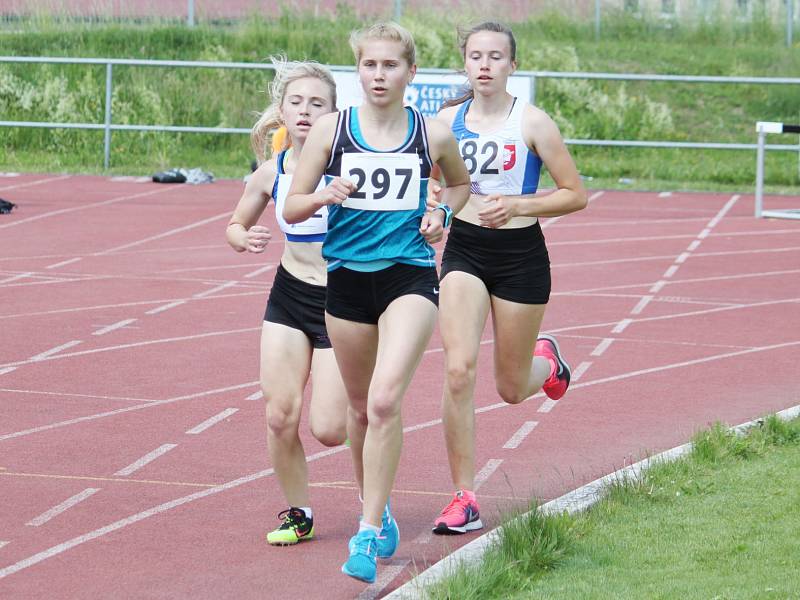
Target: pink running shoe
556	385
460	516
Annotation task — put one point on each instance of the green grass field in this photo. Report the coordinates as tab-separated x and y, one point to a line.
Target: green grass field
583	109
721	523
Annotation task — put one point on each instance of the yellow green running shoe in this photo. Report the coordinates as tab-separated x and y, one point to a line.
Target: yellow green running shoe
296	527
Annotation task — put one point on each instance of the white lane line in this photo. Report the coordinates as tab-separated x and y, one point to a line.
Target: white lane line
488	469
147	458
134	345
119	411
16	277
32	183
164	307
212	421
135	518
602	347
620	327
682	258
161	508
258	272
664	194
657	286
547	406
641	305
114	326
82	207
670	272
2	543
67	394
554	220
7	370
55	350
704	234
213	290
255	396
580	370
516	439
164	234
723	211
386	575
693	246
64	263
65	505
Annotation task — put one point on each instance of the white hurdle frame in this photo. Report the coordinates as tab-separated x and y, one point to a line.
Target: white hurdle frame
763	128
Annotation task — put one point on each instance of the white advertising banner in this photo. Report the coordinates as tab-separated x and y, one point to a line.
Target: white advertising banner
427	92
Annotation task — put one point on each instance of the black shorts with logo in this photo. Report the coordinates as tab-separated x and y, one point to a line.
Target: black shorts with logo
299	305
364	296
513	264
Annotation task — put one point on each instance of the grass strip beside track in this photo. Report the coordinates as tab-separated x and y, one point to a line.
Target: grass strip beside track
721	522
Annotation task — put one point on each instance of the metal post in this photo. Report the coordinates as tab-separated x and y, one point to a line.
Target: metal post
533	89
398	9
190	14
597	20
760	172
107	140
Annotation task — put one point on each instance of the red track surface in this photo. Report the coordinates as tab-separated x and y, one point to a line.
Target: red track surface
675	312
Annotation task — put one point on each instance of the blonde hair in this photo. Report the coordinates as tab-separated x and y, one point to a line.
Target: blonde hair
385	31
285	73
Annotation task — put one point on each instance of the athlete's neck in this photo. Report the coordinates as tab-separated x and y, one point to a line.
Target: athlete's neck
494	107
291	156
389	125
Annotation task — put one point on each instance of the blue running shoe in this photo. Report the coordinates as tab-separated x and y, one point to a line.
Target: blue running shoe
389	537
362	563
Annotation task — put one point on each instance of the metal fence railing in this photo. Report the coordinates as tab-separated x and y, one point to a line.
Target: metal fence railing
108	126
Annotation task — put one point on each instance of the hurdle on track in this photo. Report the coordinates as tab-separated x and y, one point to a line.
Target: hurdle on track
763	128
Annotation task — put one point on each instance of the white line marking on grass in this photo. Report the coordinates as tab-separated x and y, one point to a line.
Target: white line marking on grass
255	395
258	272
670	272
7	370
66	505
486	472
602	347
580	370
120	411
620	327
114	326
55	350
547	406
82	207
214	290
212	421
519	437
163	235
147	458
641	305
572	502
64	263
163	307
16	277
657	286
386	574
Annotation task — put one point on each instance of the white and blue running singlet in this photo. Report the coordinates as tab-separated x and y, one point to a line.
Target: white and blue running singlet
312	229
498	162
379	221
